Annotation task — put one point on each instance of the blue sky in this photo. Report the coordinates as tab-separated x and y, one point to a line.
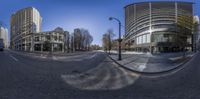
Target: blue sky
70	14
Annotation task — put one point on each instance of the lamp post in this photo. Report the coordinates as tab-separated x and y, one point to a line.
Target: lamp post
119	40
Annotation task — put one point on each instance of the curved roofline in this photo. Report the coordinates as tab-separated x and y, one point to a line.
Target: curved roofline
157	2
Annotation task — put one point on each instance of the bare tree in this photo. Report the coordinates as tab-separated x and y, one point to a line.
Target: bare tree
108	40
86	39
95	47
77	39
82	39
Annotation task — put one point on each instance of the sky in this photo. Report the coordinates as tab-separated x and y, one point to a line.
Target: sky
70	14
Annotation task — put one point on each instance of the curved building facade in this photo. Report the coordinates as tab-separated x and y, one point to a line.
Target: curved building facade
4	35
23	23
159	26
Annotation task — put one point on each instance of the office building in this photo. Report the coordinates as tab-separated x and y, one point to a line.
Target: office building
4	35
22	24
159	26
196	33
50	41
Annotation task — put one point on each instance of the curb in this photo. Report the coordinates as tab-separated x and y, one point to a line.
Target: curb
25	54
49	55
178	67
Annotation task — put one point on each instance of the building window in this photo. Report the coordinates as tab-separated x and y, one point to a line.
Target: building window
37	39
148	38
48	38
143	39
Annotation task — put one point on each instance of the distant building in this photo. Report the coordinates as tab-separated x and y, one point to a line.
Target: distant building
77	38
159	26
4	36
22	24
67	41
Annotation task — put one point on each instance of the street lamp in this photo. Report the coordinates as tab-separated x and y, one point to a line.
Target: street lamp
119	40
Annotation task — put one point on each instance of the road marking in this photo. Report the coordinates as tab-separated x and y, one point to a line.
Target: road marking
54	58
42	56
14	58
142	67
93	56
114	78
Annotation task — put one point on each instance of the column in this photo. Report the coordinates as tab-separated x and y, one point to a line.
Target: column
150	27
41	47
25	45
32	44
63	48
52	47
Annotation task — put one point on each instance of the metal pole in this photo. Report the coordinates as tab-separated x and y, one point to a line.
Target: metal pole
120	57
119	40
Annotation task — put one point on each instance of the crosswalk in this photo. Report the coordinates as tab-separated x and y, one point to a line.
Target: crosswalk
77	58
107	76
64	58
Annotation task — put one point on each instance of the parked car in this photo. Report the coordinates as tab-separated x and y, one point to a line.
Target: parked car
1	45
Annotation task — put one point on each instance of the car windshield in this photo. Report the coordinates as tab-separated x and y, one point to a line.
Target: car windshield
99	49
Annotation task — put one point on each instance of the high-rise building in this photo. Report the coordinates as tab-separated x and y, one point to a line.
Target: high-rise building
4	35
159	26
23	23
196	34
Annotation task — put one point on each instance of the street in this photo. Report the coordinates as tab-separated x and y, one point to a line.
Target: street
97	78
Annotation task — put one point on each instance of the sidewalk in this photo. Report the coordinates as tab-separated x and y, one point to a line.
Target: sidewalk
146	62
48	55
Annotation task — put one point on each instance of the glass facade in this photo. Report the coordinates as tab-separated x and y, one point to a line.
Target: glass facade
159	25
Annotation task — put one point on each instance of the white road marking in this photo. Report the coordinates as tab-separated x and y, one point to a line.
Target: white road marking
93	56
142	67
14	58
115	78
55	58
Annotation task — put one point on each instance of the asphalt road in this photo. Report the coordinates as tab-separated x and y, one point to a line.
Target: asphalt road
93	76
